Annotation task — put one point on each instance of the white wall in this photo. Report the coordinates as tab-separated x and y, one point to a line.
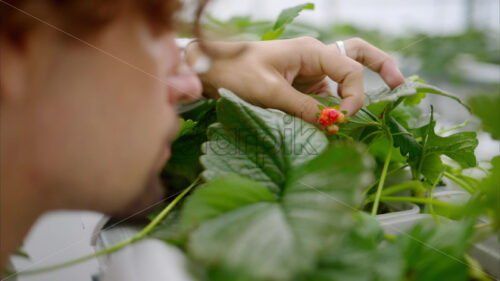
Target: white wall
58	237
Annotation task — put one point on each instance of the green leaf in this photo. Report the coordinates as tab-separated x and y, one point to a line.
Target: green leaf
405	141
295	30
285	18
327	101
230	193
377	108
288	15
257	143
425	155
361	256
378	148
487	108
356	125
272	35
459	146
489	187
436	252
197	111
326	186
487	200
414	100
184	165
417	98
432	167
416	78
408	117
260	237
187	127
21	253
407	89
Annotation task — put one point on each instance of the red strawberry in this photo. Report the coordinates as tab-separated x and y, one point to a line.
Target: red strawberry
341	118
332	129
329	117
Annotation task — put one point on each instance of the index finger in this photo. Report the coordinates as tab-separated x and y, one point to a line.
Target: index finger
375	59
346	72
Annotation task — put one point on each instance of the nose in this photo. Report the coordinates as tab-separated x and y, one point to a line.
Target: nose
184	86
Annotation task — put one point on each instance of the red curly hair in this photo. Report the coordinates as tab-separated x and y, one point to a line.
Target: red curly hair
83	17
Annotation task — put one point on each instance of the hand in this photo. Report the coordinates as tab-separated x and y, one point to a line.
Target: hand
280	74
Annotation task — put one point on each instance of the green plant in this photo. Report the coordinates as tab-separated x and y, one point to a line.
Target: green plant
277	187
285	18
244	28
281	201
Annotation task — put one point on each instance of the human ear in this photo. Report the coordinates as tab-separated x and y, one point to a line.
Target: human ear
13	70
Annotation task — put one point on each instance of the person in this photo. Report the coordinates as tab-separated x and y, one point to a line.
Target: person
89	91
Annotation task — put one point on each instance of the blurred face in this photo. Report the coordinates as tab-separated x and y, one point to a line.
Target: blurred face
98	122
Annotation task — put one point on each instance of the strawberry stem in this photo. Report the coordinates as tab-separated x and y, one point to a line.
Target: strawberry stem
384	172
416	200
459	182
411	185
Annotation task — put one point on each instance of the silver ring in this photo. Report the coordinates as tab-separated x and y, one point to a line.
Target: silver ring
341	46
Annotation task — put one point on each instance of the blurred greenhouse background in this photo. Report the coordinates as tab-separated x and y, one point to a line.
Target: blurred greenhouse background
454	44
436	36
393	16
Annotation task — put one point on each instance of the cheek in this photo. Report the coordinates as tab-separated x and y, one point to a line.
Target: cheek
135	133
100	125
104	139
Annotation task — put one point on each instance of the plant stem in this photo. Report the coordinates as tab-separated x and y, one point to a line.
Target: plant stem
459	182
431	197
486	172
459	126
145	231
370	135
414	173
411	185
388	173
402	134
389	237
424	146
384	173
484	225
394	105
345	136
417	200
